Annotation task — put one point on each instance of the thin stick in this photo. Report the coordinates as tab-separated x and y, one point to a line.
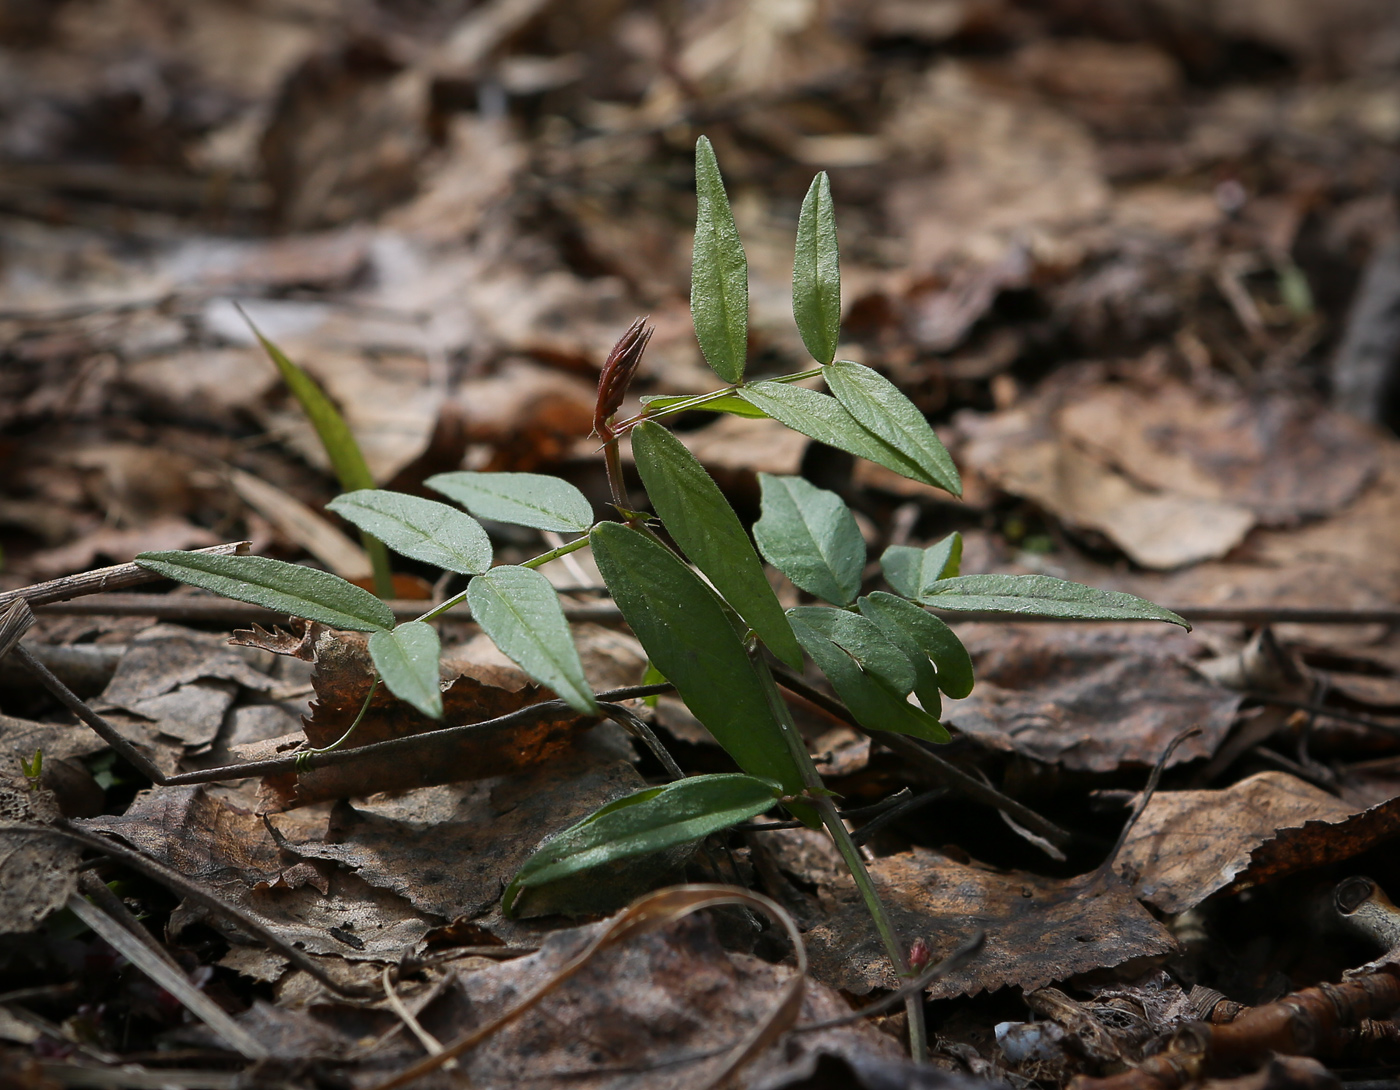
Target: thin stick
1323	709
213	610
104	579
193	891
945	772
302	762
430	1043
1106	867
74	704
169	978
217	610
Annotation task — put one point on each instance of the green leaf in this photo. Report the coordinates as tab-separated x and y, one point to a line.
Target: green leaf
521	499
276	585
704	525
335	435
862	639
823	418
719	276
652	676
730	403
879	405
874	706
911	571
1042	596
422	529
688	637
816	273
934	640
810	535
520	611
407	660
337	441
643	823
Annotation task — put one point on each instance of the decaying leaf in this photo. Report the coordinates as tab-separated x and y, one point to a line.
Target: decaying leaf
38	873
660	1009
449	850
1090	697
1190	844
232	852
1039	930
342	678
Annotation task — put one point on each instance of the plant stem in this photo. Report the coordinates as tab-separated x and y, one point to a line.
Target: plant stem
850	854
534	562
702	399
612	458
554	554
379	565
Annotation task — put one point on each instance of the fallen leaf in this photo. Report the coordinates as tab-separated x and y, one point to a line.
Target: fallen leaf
450	850
1279	456
342	678
38	873
1039	930
232	852
633	1015
1090	697
1190	844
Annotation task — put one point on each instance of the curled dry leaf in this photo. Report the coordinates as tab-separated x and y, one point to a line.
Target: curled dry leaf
1090	698
231	852
1039	930
342	678
1190	844
646	989
450	849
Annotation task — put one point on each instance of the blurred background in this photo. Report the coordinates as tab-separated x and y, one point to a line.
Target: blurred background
1134	258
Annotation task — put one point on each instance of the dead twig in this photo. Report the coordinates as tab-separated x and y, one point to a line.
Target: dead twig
192	891
1323	1019
218	610
103	579
1106	867
212	610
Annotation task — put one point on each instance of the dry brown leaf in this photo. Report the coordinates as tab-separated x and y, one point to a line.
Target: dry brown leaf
231	851
1039	930
450	850
1090	697
637	1010
1278	456
1190	844
38	873
342	678
1008	167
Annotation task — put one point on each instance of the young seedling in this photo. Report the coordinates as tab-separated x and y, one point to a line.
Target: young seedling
709	637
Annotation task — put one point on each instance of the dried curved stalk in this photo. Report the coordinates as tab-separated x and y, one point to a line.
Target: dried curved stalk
649	912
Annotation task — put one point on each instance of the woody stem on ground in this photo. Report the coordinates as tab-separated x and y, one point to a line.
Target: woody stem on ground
850	854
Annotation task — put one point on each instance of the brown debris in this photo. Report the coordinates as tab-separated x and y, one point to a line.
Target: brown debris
1089	697
1321	1020
342	678
1191	844
1038	929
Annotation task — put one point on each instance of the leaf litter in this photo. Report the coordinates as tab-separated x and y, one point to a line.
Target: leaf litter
1012	201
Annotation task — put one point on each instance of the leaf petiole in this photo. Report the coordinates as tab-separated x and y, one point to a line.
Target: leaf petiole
554	554
307	754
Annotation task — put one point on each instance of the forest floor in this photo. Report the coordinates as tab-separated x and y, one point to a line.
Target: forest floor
1135	259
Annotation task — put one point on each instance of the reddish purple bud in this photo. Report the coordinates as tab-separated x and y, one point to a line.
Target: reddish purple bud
618	370
919	956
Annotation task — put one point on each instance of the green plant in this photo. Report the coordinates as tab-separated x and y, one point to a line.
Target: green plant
708	636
